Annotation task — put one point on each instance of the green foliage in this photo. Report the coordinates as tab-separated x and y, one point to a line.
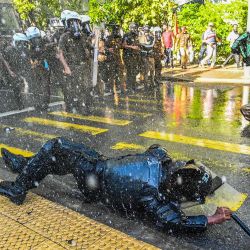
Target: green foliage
38	11
152	12
196	18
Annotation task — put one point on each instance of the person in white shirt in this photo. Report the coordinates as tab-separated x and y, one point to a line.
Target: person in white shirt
231	38
210	39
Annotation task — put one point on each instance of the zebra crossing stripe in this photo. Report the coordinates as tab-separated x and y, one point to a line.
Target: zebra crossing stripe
66	125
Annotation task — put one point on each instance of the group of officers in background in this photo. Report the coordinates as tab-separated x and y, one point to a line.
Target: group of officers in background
65	55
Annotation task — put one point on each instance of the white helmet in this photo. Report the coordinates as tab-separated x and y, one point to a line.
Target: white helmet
33	32
67	15
64	14
85	18
157	29
19	37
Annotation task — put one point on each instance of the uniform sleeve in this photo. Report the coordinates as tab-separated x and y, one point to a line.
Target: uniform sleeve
169	216
238	47
62	42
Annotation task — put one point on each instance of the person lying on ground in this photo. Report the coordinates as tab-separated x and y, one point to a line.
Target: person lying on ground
150	182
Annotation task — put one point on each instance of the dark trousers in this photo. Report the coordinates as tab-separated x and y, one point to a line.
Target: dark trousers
132	64
59	157
169	57
77	88
236	58
158	68
202	52
41	87
16	84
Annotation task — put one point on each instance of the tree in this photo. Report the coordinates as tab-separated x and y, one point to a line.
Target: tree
39	11
196	17
151	12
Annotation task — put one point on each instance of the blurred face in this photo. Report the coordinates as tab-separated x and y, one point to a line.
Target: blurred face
133	28
36	44
74	27
158	35
164	27
235	28
183	29
210	27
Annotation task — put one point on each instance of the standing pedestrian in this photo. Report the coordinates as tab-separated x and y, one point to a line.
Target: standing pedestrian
168	42
183	41
211	39
203	49
75	56
232	38
131	56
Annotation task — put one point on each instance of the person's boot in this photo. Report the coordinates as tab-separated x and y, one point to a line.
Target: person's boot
13	192
14	162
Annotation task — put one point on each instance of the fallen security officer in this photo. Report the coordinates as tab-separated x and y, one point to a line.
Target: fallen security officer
149	182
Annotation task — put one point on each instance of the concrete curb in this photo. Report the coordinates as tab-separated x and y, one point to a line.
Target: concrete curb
207	80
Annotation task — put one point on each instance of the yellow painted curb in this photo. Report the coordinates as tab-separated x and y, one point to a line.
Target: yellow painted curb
42	224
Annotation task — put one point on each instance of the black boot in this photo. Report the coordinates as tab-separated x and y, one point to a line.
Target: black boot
15	162
13	192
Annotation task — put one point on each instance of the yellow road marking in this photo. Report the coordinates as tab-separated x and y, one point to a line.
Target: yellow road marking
138	100
17	151
127	146
66	125
247	170
126	112
100	119
24	132
42	224
206	143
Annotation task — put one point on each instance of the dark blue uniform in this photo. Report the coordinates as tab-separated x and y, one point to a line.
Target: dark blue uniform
136	182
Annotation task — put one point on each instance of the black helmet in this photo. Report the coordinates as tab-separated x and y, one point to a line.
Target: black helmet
160	153
146	29
191	182
133	27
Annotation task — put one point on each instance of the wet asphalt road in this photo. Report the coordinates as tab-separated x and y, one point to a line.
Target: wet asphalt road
196	111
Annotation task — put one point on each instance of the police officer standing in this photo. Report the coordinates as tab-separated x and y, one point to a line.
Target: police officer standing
158	54
147	53
131	56
56	29
75	56
40	68
113	45
16	60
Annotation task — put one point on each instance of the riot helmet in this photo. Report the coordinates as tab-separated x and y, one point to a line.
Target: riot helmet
85	24
55	23
146	29
133	28
114	30
191	182
160	153
157	33
20	41
35	37
72	22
